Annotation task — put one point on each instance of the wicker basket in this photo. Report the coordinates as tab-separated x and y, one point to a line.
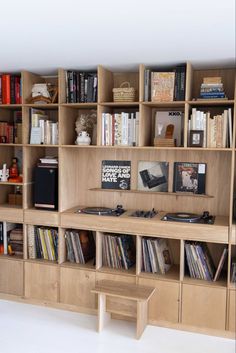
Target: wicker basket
124	94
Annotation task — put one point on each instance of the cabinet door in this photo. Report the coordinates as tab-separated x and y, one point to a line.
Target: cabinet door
164	303
41	281
11	276
75	287
232	310
204	306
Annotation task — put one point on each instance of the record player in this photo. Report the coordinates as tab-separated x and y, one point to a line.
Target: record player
205	218
102	211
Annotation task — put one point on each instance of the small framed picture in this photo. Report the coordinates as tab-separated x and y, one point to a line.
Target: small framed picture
196	138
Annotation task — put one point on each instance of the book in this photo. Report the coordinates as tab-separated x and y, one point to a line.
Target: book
189	177
164	118
162	86
153	176
221	264
156	255
42	243
116	174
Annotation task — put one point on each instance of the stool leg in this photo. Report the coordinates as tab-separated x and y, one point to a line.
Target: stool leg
142	317
103	316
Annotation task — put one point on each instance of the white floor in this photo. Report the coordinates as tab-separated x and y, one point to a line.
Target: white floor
32	329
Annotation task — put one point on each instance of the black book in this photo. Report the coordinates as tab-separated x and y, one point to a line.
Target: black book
12	89
82	87
189	177
116	174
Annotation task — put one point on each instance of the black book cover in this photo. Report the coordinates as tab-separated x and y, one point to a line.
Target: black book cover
82	88
12	89
74	87
116	174
189	177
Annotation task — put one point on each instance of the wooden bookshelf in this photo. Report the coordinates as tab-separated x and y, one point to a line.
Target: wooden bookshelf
68	285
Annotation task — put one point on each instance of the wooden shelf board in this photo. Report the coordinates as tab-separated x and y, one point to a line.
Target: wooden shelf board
172	275
41	145
208	149
213	102
80	105
10	183
42	261
11	106
215	233
173	104
11	144
221	283
11	257
176	194
130	272
42	106
119	104
41	217
11	207
88	266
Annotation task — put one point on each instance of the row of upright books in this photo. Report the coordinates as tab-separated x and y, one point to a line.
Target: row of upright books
81	87
118	251
200	263
42	243
120	129
165	85
10	89
217	129
43	130
156	255
80	246
11	132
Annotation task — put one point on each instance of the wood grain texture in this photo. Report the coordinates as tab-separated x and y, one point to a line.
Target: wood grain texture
11	276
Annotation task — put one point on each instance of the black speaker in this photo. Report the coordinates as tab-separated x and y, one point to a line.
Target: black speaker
46	187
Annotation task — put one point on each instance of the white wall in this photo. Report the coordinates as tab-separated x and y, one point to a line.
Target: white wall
47	34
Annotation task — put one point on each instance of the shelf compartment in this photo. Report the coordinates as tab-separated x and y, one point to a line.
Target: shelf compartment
167	255
80	242
228	79
107	80
68	117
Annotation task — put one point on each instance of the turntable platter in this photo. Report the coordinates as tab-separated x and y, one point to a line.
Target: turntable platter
182	217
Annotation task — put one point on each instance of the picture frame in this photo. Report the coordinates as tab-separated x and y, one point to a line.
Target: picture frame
196	138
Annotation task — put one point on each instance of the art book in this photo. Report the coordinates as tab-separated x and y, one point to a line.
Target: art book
116	174
162	86
189	177
153	176
164	118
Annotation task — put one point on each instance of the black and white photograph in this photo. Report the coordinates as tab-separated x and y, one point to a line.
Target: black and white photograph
153	176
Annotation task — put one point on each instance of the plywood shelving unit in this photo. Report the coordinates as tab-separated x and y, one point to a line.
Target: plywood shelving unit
179	301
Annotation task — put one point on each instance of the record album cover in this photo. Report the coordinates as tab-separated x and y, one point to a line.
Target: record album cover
189	177
116	174
153	176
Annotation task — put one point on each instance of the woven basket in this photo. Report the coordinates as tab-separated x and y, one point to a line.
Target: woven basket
124	94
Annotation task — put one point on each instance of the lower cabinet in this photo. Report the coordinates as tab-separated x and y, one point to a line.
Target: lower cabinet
11	277
75	287
204	306
232	310
41	281
164	303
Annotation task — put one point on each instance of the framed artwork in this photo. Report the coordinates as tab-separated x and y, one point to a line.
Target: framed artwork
196	138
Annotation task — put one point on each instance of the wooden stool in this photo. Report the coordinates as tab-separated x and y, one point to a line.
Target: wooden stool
138	294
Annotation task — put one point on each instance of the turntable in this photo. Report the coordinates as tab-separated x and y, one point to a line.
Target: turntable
205	218
102	211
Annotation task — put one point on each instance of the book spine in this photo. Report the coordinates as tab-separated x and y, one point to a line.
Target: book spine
6	89
12	89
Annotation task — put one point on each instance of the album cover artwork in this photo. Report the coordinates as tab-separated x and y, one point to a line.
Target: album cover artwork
153	176
189	177
116	174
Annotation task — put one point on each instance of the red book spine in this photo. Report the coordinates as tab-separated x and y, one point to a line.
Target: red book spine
0	89
6	89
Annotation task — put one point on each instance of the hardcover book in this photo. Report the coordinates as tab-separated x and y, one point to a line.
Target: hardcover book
189	177
116	174
153	176
162	86
164	118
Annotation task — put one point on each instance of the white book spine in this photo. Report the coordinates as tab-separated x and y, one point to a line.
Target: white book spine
137	129
103	129
54	133
230	128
